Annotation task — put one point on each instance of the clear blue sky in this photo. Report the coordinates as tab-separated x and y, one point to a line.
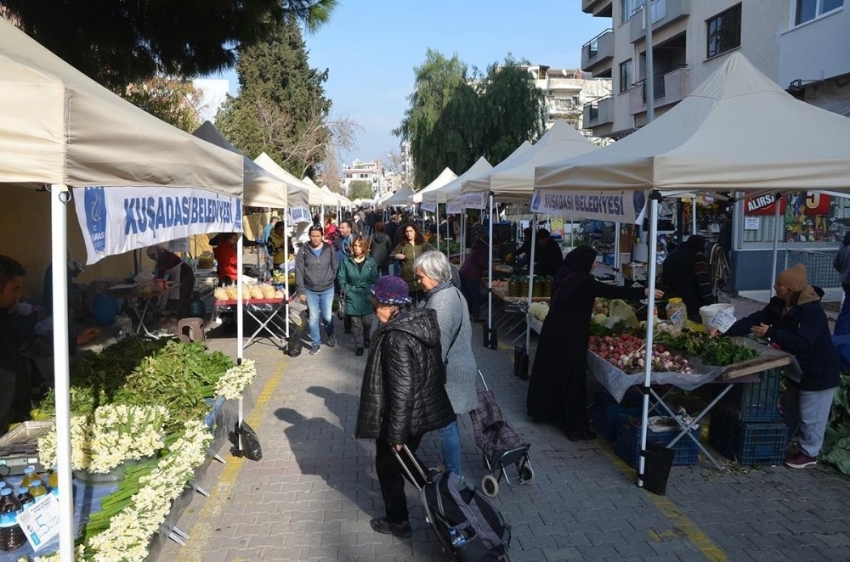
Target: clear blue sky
371	47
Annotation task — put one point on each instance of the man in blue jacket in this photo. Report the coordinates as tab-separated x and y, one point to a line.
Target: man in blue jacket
315	273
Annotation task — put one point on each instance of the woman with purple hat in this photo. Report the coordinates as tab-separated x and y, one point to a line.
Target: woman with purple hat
403	394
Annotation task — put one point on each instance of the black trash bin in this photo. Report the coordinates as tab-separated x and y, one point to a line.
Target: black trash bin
659	461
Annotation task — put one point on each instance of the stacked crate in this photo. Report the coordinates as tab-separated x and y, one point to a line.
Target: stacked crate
746	425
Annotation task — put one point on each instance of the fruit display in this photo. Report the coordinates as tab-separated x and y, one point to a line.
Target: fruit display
628	353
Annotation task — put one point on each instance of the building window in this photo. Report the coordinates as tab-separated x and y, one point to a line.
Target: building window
627	9
724	32
807	10
625	75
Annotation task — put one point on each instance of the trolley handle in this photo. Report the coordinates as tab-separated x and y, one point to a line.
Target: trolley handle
407	469
482	380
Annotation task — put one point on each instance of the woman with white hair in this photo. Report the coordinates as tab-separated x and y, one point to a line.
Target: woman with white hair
434	275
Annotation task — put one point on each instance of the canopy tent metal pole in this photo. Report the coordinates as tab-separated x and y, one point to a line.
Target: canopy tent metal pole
650	322
448	235
286	240
531	278
694	216
490	277
438	226
777	233
617	245
240	305
60	196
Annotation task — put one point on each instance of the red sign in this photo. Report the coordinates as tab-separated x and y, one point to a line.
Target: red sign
802	203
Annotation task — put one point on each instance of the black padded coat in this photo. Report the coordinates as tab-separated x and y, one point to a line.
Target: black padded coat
403	393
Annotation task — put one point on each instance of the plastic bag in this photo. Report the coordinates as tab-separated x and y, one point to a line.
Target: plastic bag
619	311
294	345
251	448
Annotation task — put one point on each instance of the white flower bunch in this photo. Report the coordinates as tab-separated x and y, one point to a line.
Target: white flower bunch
116	434
233	383
130	530
80	554
538	310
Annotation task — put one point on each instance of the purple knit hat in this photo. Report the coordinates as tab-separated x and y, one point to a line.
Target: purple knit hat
390	289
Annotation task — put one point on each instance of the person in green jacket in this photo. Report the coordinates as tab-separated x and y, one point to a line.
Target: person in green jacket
356	276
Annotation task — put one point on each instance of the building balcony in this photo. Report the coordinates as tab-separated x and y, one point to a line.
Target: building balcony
670	87
598	8
598	51
599	112
662	12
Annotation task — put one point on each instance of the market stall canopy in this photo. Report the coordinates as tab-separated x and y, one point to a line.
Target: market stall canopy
335	197
328	197
314	194
451	192
58	126
400	198
439	182
515	183
737	131
482	182
262	189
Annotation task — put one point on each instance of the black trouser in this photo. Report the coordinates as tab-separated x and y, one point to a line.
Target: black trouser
384	270
471	289
8	384
391	477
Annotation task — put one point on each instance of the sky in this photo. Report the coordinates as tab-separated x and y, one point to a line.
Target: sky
371	47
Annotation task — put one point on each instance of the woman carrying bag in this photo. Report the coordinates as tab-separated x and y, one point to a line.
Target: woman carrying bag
356	276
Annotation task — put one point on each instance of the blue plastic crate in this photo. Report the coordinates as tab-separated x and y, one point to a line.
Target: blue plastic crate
604	412
750	444
756	402
627	445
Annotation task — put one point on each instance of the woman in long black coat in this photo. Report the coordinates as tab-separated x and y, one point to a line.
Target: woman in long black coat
558	386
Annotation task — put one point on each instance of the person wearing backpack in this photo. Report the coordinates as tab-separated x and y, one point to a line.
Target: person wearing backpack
403	394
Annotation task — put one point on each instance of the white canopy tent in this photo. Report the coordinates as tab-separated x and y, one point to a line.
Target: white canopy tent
60	128
451	192
315	197
440	181
737	131
401	198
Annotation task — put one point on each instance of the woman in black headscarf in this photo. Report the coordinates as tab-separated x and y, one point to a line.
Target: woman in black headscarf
558	386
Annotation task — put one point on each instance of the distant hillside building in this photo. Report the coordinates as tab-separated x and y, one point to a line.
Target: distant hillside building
567	91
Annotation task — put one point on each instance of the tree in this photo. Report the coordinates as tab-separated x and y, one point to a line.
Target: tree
360	189
281	108
173	100
120	42
439	124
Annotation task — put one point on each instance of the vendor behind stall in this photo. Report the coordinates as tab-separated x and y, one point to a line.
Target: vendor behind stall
685	275
16	371
170	266
225	257
795	322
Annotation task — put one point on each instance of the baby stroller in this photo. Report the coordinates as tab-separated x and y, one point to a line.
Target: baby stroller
501	445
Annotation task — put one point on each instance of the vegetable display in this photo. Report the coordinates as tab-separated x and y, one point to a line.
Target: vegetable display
628	353
718	351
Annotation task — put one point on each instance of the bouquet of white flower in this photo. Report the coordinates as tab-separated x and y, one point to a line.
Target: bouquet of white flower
233	383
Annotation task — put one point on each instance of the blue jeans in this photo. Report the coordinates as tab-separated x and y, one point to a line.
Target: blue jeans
842	323
450	444
320	303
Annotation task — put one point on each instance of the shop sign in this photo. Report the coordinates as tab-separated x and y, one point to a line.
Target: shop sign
801	203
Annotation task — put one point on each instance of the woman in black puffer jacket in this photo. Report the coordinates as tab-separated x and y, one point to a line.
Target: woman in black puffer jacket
403	395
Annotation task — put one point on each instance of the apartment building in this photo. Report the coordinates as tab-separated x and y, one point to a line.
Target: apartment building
372	172
567	91
804	45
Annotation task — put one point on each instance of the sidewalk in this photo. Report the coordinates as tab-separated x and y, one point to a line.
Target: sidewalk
314	492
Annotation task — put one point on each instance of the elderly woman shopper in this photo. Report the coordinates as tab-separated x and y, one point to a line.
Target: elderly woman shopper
356	276
794	321
557	391
403	394
411	245
434	275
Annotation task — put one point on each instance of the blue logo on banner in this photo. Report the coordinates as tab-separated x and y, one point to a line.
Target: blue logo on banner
95	205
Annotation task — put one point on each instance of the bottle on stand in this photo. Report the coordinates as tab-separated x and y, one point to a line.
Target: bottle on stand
11	535
53	481
37	489
29	476
25	498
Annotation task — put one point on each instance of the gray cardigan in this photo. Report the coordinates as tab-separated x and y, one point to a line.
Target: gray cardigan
461	370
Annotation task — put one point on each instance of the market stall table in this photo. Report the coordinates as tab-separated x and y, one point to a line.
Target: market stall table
135	295
616	382
515	309
267	312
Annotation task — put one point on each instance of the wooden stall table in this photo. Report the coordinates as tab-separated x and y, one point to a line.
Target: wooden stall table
267	312
140	299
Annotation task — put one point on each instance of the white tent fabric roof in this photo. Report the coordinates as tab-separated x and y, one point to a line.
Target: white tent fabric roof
262	189
328	197
452	191
516	182
314	194
426	193
737	131
400	198
482	182
57	126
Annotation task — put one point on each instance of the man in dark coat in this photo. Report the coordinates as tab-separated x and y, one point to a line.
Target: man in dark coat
548	258
403	394
685	275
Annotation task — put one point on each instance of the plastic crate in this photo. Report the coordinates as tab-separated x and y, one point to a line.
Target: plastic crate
755	402
750	444
604	412
627	445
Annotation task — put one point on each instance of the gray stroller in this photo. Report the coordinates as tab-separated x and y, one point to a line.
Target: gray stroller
501	445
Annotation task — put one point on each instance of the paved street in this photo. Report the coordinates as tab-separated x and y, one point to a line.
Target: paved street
314	492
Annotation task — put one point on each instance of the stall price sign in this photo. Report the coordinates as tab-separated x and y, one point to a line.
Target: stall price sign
40	522
722	321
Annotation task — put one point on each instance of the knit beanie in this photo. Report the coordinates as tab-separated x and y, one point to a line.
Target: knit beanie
793	278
